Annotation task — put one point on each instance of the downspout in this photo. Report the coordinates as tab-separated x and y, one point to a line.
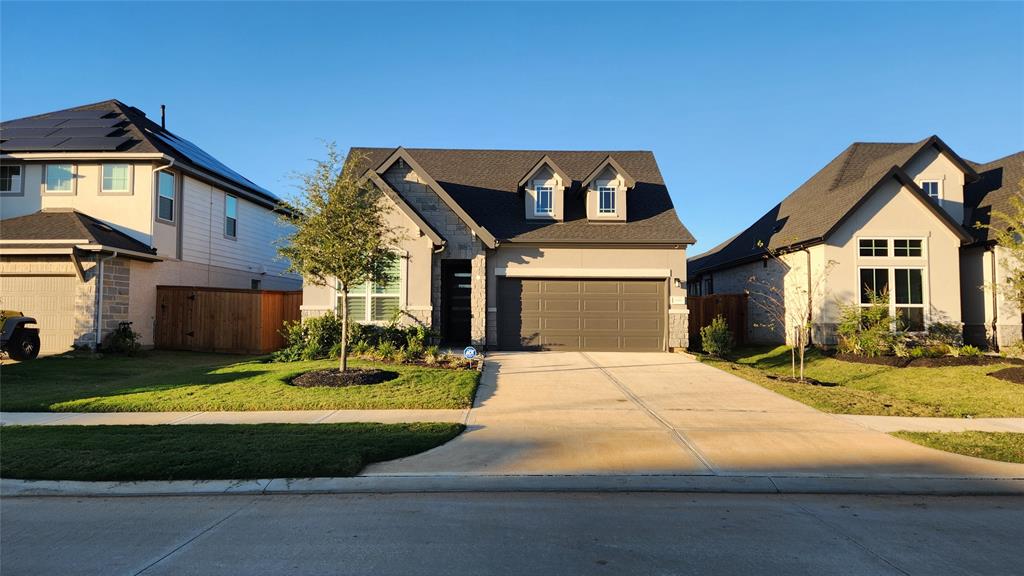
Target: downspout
99	297
995	300
810	301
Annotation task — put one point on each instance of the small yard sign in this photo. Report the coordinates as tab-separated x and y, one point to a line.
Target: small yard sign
469	352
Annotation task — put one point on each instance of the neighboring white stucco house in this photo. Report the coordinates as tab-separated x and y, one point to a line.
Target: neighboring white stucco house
893	219
526	249
99	195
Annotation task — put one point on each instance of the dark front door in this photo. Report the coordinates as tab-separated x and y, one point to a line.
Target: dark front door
456	287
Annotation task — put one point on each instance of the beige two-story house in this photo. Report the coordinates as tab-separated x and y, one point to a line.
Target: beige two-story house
896	221
527	249
99	205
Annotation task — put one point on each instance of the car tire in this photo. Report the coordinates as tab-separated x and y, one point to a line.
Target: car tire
23	345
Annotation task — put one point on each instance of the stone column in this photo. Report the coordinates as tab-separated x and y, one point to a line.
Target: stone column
478	298
678	328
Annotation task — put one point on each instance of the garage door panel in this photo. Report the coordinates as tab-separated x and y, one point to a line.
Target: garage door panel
567	314
602	324
559	305
48	299
590	305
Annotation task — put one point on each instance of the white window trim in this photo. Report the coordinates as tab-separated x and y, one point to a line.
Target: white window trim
925	291
888	247
924	248
403	271
614	195
131	180
551	200
19	190
937	181
225	229
74	180
175	188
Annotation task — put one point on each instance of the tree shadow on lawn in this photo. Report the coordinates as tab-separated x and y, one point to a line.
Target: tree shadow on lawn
40	384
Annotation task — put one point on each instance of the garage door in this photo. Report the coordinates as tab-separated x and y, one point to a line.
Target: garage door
578	314
48	299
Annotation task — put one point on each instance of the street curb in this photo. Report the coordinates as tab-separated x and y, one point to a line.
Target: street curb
935	486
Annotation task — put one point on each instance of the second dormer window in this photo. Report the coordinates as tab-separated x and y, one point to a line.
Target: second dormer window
606	200
544	203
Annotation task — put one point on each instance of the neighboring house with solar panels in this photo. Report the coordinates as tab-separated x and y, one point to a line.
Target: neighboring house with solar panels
896	220
101	196
527	249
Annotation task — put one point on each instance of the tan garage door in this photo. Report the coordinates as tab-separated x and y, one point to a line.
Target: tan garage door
578	314
48	299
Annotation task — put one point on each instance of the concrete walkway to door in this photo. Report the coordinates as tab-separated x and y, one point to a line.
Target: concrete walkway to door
649	413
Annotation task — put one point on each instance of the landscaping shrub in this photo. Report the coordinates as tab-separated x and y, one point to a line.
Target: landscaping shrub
123	340
715	338
431	355
385	351
311	339
946	333
868	330
969	350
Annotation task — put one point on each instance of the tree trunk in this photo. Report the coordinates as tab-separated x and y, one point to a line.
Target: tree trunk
792	359
343	361
803	350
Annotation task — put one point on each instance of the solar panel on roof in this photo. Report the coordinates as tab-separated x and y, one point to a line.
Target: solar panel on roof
91	122
34	123
79	114
24	144
92	144
9	133
199	157
92	132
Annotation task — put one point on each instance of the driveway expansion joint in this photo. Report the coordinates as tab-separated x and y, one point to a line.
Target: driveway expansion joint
677	434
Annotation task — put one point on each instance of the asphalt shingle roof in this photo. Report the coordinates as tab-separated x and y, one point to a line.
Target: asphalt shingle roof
68	225
999	181
485	184
811	211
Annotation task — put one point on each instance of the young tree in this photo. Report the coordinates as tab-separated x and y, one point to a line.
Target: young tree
1006	227
340	233
792	308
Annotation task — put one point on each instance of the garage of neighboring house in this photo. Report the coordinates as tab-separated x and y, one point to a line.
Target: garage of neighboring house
57	265
47	296
582	314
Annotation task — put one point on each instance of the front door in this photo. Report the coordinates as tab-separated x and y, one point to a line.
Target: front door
456	288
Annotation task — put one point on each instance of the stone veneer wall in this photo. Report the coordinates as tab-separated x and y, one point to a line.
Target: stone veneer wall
678	329
462	244
116	289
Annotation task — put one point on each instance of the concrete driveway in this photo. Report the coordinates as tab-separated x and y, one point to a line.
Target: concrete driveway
649	413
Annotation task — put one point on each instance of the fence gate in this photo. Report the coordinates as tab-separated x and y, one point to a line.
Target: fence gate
704	309
223	319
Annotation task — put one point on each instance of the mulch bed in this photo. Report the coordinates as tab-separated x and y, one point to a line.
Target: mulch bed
336	379
806	380
937	362
1015	374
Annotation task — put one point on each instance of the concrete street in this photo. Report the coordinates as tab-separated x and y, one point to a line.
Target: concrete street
476	534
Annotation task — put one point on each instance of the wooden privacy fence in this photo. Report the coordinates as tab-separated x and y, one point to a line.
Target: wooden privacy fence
223	319
704	309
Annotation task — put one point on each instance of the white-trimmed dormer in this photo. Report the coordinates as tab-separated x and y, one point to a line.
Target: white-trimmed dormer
605	190
941	174
544	191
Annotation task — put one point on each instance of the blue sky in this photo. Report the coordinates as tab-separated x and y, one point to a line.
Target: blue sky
740	102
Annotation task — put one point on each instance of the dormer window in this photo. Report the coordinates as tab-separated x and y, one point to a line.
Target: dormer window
932	189
544	203
606	200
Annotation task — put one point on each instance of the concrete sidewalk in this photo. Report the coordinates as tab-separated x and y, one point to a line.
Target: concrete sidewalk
255	417
919	424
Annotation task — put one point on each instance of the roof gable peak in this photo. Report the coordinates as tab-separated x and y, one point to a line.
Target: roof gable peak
545	161
609	161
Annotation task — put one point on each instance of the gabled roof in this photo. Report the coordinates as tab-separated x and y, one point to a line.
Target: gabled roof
484	184
109	127
406	208
66	228
545	161
815	209
998	181
609	161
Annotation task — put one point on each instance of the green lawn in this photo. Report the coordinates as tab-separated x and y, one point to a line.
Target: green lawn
1005	446
882	390
186	381
208	452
